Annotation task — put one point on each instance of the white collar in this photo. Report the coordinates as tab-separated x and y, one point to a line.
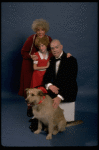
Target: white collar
60	55
41	56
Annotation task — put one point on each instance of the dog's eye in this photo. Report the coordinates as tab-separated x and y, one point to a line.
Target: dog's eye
32	94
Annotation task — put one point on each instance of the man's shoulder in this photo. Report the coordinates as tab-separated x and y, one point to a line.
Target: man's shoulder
72	61
71	58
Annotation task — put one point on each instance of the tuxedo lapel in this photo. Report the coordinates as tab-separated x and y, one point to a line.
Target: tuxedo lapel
54	67
61	66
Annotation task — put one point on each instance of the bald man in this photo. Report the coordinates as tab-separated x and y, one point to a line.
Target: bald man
60	80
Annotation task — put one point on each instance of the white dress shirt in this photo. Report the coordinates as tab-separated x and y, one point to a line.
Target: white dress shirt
56	68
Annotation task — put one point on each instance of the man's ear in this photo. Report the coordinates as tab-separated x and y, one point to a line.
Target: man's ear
61	47
40	93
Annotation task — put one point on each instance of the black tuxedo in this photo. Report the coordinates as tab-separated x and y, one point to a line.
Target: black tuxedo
65	79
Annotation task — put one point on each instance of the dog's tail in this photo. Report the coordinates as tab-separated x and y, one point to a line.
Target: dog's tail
73	123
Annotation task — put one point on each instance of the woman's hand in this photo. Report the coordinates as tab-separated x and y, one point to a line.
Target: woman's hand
68	55
34	57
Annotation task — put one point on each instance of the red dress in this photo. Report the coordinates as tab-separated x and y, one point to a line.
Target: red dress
37	77
27	64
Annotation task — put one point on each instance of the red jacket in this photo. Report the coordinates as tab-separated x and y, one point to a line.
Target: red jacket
27	64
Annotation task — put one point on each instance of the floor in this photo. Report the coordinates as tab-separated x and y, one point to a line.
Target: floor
15	130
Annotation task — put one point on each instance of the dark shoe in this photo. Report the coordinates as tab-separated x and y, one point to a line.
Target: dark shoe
34	125
30	120
29	113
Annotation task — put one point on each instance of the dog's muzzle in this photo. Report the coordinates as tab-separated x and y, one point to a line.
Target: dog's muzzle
26	100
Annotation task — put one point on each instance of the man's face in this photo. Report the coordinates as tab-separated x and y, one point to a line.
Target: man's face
56	48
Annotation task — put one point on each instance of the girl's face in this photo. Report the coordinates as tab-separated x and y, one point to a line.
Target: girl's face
42	48
40	32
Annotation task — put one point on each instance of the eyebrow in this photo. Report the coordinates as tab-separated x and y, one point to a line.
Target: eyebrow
55	46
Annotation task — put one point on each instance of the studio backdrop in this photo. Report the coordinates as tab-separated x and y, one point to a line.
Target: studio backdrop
75	24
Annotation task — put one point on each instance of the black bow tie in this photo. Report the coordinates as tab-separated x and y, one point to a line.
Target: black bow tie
58	59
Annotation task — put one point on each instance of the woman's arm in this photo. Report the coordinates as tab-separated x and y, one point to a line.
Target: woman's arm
26	48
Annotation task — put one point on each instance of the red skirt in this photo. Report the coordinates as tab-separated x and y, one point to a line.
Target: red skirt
37	78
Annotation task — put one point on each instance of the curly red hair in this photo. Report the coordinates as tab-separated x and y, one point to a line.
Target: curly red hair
44	40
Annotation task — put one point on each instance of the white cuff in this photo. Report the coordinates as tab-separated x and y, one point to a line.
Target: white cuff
35	62
47	85
60	97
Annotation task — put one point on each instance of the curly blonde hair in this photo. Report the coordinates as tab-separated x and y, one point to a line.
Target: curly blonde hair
40	23
44	40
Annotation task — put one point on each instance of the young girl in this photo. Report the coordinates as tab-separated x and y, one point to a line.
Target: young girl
42	63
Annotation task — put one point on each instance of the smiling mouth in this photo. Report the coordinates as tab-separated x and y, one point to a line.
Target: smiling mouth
55	53
40	35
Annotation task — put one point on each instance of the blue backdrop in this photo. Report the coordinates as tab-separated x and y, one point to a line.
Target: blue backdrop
75	24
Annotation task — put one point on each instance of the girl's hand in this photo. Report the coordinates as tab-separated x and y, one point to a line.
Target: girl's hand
34	57
68	55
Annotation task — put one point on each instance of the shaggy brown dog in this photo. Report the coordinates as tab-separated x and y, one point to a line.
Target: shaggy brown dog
45	113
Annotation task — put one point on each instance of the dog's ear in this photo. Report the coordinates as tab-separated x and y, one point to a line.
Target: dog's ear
40	93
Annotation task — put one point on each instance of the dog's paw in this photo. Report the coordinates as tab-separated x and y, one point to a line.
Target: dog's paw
37	131
55	132
49	137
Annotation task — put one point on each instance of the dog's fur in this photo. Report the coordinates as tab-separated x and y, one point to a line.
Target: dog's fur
45	113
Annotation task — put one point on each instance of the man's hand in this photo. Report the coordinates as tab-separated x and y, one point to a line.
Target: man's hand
54	89
56	102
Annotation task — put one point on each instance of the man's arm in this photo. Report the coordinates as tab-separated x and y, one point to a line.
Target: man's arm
68	85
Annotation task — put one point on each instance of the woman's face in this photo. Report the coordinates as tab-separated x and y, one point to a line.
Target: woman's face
40	32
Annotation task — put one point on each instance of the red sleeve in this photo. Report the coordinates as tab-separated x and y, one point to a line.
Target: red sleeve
50	39
27	47
37	54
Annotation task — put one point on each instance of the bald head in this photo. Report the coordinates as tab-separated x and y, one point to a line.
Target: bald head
55	41
56	48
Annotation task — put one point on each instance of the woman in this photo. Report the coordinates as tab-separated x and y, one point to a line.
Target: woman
39	26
